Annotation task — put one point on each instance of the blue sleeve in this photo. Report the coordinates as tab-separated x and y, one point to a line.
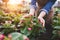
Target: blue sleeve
33	4
48	6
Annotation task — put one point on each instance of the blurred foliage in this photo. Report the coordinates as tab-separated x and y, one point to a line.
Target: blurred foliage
15	22
16	36
56	24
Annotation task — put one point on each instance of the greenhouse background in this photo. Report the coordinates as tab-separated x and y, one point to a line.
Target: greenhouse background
12	28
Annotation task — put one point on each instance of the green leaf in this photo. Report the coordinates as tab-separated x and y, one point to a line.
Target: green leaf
17	36
57	27
7	30
25	31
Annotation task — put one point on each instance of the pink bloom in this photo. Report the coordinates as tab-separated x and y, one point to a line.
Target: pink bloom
9	36
29	29
27	39
1	36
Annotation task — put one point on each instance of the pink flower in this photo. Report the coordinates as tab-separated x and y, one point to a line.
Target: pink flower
27	39
29	29
9	36
2	36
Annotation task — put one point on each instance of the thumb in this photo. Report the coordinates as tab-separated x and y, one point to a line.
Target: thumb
43	23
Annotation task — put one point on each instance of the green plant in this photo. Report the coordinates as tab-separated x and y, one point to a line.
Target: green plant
29	26
56	25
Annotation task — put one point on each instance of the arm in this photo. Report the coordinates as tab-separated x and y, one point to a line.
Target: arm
32	7
33	4
47	8
45	11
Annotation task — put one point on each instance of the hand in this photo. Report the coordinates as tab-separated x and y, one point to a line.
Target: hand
27	15
42	21
31	13
40	17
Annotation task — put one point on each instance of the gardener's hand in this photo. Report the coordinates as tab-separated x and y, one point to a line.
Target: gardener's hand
27	15
41	19
31	13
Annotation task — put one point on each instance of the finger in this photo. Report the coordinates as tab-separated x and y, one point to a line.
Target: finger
43	23
39	19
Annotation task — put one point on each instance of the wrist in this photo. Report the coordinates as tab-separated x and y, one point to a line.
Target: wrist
42	14
39	17
32	11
